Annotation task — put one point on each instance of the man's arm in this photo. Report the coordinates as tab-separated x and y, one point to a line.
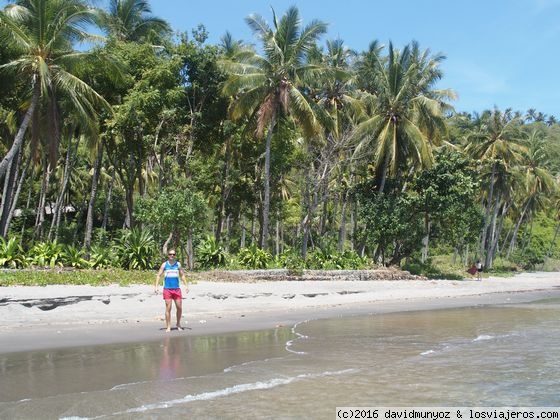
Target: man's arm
183	278
160	272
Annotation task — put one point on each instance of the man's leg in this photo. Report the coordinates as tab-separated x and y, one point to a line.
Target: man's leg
168	303
179	306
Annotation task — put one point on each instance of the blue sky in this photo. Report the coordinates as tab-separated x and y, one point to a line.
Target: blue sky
503	53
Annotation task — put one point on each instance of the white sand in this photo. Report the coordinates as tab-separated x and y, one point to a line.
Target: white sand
103	314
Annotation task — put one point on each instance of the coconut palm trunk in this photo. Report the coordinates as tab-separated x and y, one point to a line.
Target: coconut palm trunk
9	193
266	181
20	136
59	206
93	197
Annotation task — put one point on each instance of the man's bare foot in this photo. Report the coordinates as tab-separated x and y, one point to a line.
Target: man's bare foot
168	329
179	328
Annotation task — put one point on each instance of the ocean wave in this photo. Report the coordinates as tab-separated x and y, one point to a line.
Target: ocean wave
235	389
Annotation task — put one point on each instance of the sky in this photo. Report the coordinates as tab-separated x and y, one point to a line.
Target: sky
500	53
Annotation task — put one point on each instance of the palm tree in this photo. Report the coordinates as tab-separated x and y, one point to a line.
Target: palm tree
496	141
536	179
42	34
337	108
407	112
131	20
267	87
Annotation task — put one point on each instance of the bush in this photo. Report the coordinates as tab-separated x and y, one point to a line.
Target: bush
291	261
136	250
74	257
210	254
101	257
328	259
11	253
46	254
253	257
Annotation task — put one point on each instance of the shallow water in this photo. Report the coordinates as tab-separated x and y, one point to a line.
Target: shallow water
481	356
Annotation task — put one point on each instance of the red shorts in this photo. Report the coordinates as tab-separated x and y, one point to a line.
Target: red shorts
172	294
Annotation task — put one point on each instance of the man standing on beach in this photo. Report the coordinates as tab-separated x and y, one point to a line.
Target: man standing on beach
172	272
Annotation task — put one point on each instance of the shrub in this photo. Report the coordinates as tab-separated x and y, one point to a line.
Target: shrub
74	257
11	253
253	257
136	250
101	257
46	254
210	254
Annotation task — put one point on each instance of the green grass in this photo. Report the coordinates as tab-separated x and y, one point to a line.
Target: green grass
76	277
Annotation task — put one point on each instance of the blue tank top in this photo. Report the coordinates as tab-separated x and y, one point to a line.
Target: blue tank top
171	275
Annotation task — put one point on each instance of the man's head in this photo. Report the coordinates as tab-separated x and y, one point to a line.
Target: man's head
171	254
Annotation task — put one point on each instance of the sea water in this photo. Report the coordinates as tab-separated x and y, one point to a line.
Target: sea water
493	356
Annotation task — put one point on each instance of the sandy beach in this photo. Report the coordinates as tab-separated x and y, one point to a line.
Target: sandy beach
61	316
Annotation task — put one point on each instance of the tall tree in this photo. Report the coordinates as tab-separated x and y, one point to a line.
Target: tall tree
496	142
267	87
43	33
407	111
132	20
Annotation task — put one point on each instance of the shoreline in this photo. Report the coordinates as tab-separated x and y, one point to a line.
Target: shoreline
55	317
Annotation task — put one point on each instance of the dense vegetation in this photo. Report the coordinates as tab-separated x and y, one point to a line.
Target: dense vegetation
290	152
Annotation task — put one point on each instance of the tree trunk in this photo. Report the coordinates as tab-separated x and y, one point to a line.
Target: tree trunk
343	207
487	214
92	198
384	175
254	224
224	189
20	136
426	239
40	219
488	256
190	251
59	206
16	197
8	194
556	231
242	240
108	201
516	229
266	200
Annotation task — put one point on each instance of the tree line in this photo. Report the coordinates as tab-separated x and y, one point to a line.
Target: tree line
289	147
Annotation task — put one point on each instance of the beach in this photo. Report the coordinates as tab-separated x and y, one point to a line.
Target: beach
287	349
60	316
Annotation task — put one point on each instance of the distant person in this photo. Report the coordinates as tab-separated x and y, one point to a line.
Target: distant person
478	270
172	273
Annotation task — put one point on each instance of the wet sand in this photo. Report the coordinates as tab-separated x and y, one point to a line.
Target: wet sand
36	318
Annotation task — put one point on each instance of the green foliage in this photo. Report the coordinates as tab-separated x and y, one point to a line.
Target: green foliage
501	265
446	196
11	253
253	257
136	250
292	261
437	268
101	257
177	210
210	254
74	257
329	259
531	256
392	223
91	277
46	254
